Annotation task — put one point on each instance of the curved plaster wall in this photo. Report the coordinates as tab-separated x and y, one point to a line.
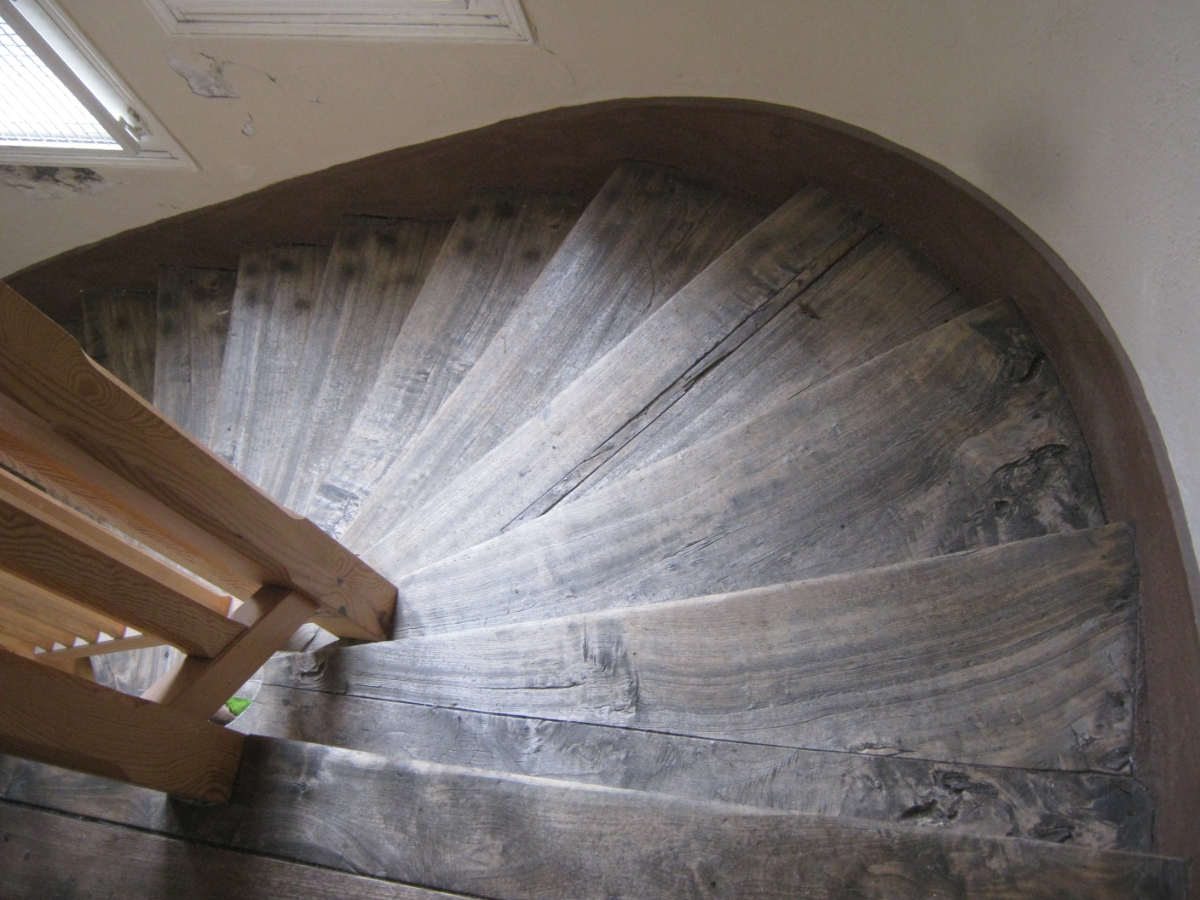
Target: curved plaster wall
1081	118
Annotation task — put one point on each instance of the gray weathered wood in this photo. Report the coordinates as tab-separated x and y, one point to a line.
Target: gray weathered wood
651	368
1019	655
118	333
193	323
272	306
957	439
132	671
496	248
879	296
645	236
45	856
515	837
1090	809
373	275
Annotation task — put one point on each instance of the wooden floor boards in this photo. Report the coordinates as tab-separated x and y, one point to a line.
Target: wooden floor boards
959	438
485	834
494	252
645	236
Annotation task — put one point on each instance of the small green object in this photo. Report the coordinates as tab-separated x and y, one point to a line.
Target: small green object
237	705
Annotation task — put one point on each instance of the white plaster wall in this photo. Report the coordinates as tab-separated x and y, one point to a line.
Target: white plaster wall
1083	118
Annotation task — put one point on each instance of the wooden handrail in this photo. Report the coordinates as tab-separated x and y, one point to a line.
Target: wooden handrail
45	371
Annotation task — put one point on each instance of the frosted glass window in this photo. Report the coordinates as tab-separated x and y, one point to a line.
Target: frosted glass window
36	109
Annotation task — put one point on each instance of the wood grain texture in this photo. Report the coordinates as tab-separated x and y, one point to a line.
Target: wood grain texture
201	686
512	836
959	438
272	308
27	597
118	332
602	409
497	247
56	718
881	295
193	325
1089	809
134	669
46	856
51	545
374	274
1019	655
645	236
44	370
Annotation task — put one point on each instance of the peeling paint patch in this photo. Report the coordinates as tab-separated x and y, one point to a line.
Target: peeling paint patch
204	74
52	182
248	128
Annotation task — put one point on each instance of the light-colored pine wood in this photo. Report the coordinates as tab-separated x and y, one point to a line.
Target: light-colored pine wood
497	247
1019	655
105	648
374	274
645	236
490	835
56	718
272	308
29	446
44	369
201	686
1089	809
597	413
53	546
43	854
118	332
17	645
33	629
25	596
863	470
193	322
881	295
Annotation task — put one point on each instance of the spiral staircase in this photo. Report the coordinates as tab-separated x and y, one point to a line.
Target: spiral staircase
739	554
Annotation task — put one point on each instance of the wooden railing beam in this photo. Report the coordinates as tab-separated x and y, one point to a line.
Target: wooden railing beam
57	718
201	686
100	648
43	369
51	545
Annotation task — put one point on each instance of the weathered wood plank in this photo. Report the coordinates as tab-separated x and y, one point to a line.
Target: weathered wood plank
201	686
598	412
881	295
57	718
496	248
272	307
131	670
193	323
51	545
957	439
119	333
645	236
45	856
1019	655
44	370
509	836
1090	809
373	276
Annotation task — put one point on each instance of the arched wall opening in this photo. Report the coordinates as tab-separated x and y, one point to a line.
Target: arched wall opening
769	151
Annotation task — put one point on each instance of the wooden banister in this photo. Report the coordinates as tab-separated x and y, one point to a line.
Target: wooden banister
44	370
57	718
56	548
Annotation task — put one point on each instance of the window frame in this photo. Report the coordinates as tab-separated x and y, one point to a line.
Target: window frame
72	58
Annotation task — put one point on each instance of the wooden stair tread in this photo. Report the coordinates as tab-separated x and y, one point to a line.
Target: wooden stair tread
272	306
495	250
375	272
863	470
192	326
1035	638
645	236
47	856
118	332
496	835
652	367
1091	809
